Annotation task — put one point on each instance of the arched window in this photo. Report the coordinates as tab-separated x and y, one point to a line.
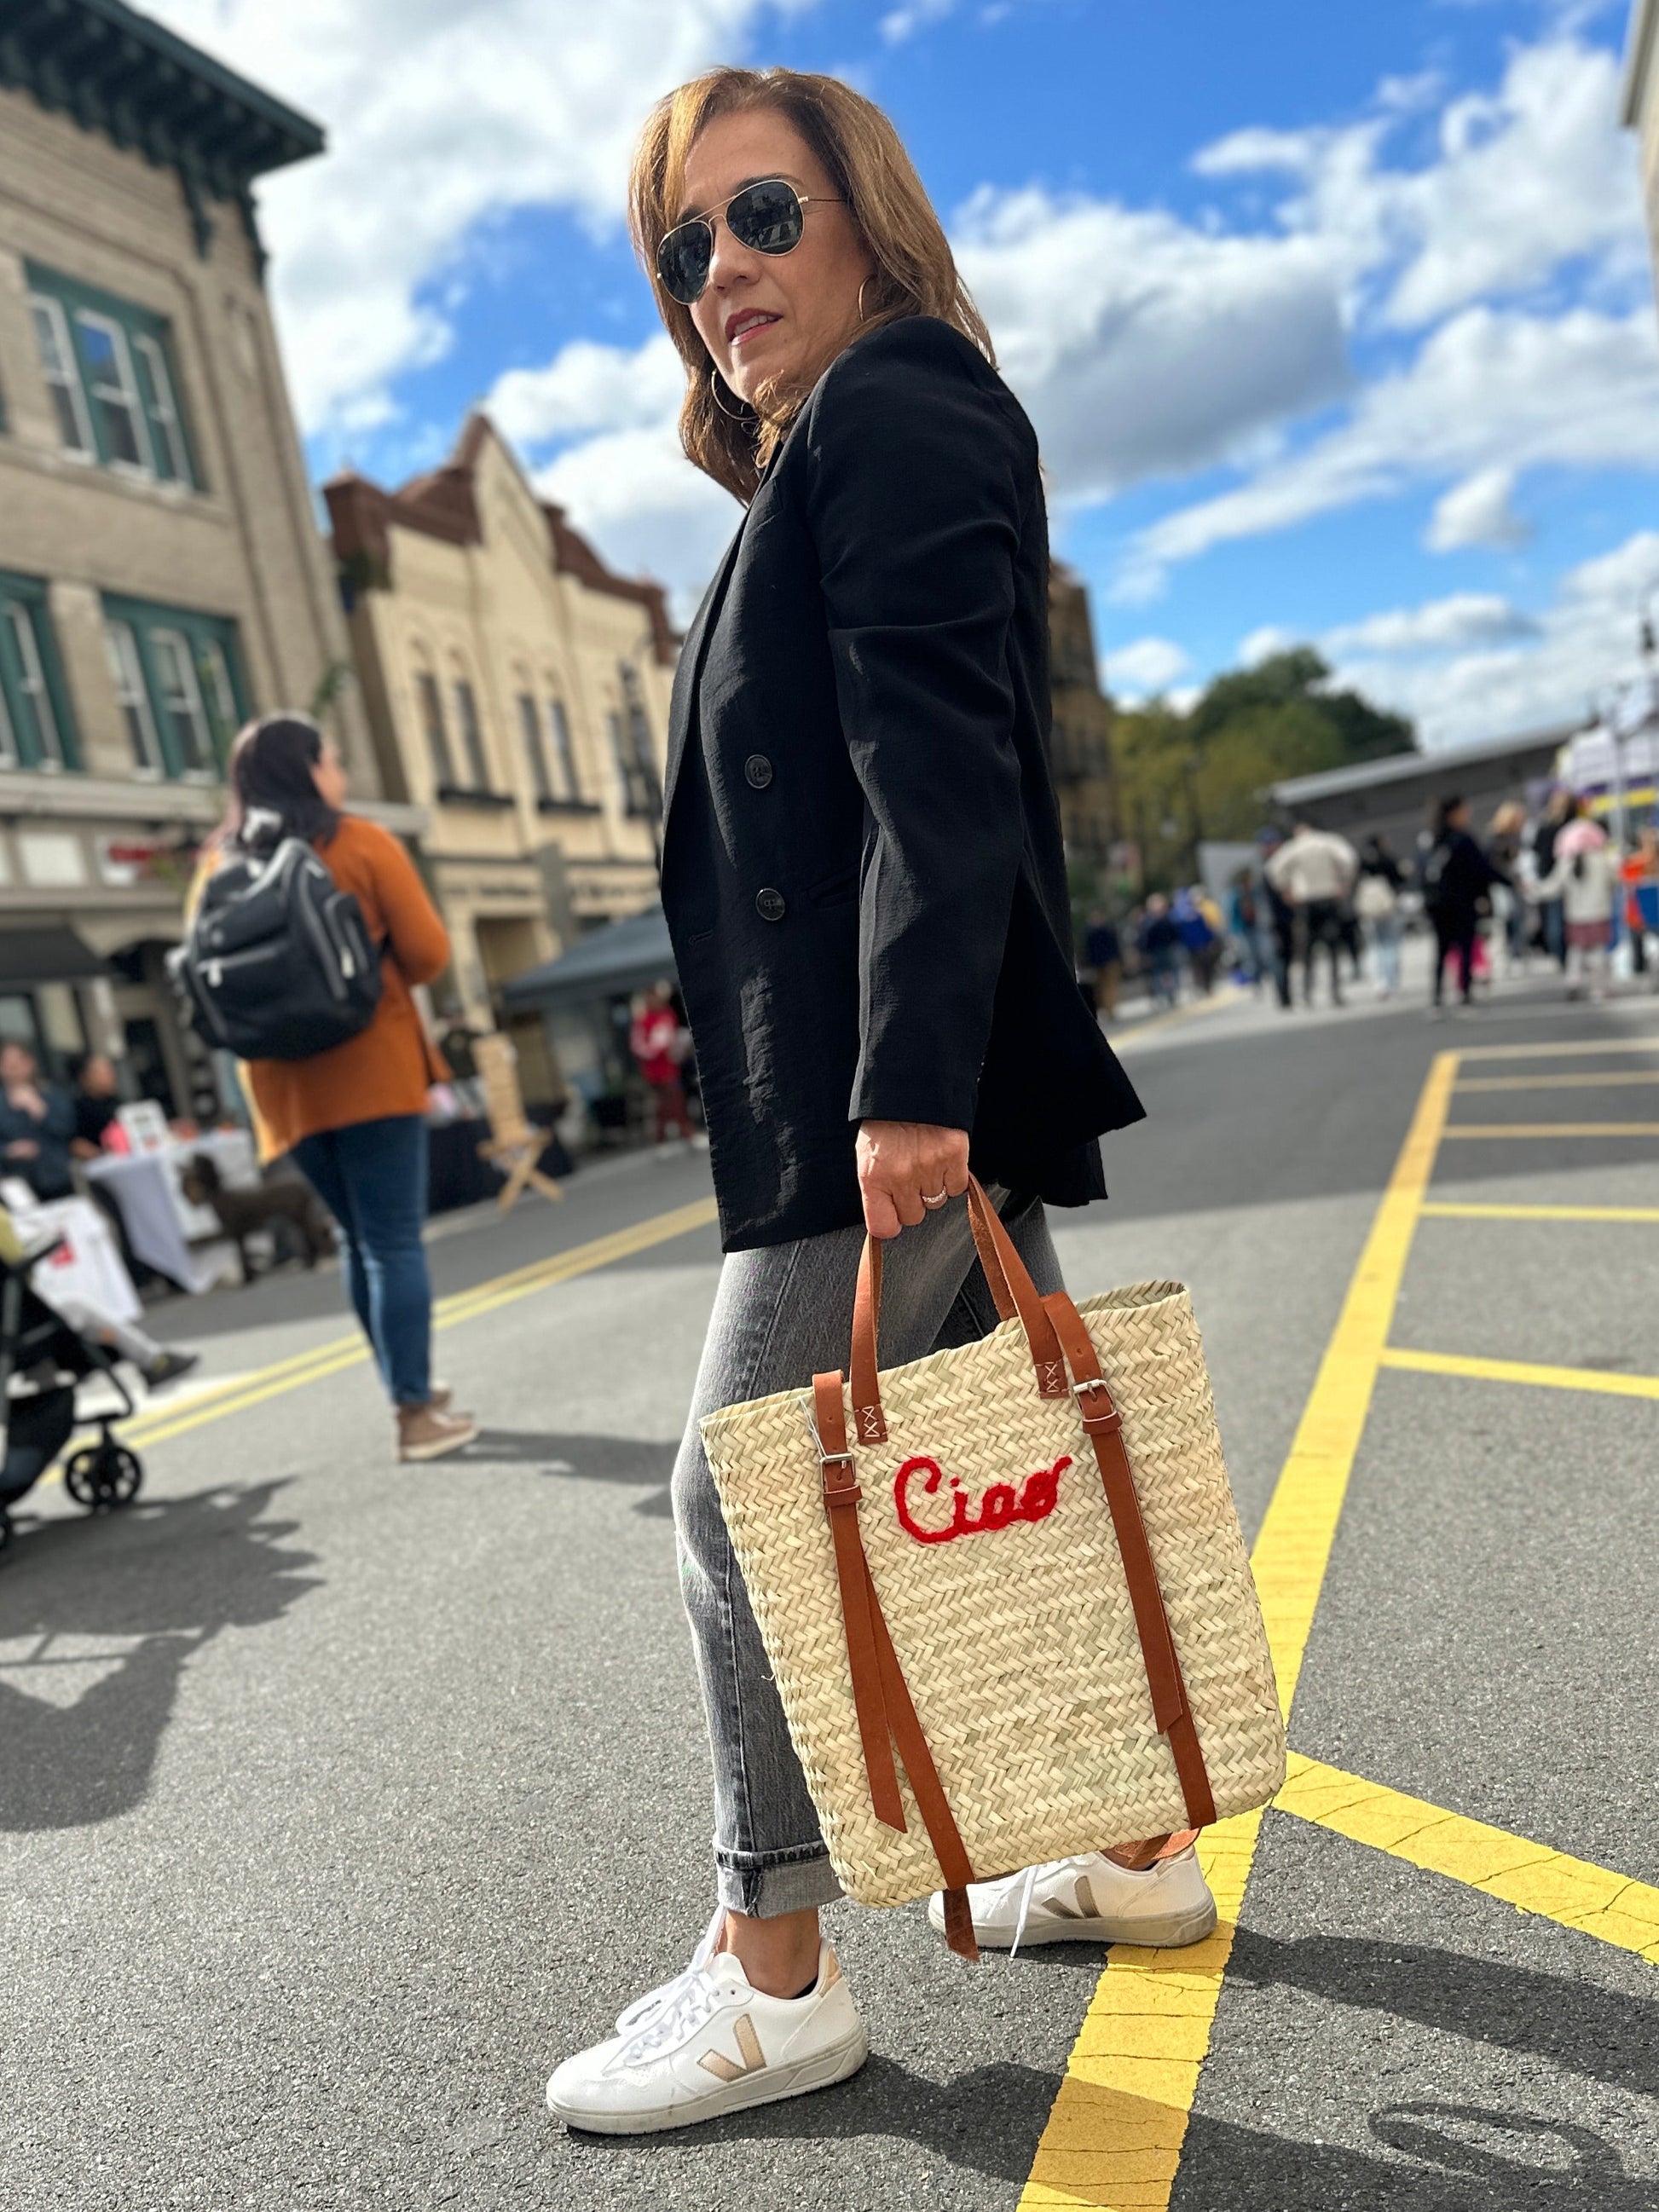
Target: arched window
429	706
466	720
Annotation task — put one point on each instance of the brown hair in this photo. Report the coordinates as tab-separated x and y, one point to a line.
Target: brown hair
867	165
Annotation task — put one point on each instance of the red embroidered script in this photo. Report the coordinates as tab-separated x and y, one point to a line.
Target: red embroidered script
1001	1505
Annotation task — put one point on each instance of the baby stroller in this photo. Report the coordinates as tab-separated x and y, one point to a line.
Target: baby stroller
43	1361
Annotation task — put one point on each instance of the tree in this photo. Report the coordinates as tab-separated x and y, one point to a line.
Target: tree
1185	777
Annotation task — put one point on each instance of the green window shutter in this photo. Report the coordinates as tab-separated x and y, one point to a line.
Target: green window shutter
37	727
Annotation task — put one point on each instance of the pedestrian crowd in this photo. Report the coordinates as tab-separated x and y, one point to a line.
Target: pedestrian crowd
1549	885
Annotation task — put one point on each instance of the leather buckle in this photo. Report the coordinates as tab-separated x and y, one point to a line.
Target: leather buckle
1102	1425
845	1493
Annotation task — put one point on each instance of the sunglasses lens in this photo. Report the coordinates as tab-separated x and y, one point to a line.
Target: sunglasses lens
682	260
767	218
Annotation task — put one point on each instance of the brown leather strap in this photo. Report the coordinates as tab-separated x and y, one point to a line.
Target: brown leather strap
926	1787
840	1500
1138	1856
1171	1713
881	1695
1012	1288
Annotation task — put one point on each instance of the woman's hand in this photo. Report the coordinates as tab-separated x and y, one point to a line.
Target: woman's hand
901	1164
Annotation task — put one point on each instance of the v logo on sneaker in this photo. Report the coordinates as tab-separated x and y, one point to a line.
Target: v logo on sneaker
754	2059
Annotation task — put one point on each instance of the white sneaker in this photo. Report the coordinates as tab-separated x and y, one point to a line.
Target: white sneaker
712	2044
1090	1899
645	2008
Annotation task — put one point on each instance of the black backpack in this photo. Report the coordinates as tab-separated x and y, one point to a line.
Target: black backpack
278	963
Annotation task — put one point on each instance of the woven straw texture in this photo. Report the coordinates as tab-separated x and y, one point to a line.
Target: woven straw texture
1019	1643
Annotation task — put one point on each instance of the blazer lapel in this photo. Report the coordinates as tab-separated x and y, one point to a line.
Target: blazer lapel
682	711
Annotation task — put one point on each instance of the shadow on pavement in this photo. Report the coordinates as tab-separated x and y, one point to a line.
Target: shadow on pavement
627	1460
1599	2033
1463	2158
988	2121
97	1624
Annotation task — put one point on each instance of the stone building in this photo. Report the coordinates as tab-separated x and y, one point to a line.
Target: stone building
518	693
161	574
1082	744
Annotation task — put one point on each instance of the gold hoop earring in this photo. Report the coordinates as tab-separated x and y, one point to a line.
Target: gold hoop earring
732	414
862	316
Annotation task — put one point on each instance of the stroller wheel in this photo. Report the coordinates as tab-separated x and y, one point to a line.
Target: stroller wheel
103	1477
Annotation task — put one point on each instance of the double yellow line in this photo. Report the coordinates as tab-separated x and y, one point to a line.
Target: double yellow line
236	1394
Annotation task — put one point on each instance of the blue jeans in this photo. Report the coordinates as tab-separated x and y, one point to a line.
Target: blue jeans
371	1175
781	1314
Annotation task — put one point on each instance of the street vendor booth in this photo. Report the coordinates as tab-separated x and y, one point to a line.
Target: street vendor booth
582	998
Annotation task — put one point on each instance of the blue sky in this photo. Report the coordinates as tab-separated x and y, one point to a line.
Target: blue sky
1336	322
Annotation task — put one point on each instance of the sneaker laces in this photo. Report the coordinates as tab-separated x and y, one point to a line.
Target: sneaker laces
687	2001
648	2007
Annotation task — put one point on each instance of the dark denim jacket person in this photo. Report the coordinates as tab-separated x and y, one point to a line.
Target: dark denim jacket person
46	1170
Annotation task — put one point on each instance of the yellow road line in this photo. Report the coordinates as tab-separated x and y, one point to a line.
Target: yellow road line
1114	2137
1486	1130
1600	1079
341	1352
1451	1210
1533	1878
1584	1049
1411	1362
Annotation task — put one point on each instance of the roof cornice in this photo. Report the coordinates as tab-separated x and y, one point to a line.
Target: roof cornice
149	91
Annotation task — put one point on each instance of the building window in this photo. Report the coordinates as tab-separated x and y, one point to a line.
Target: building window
565	751
108	366
432	721
177	679
166	438
35	719
181	701
113	391
535	751
630	739
57	366
466	713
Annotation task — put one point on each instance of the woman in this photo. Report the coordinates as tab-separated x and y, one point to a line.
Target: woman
1376	905
1586	879
863	881
354	1117
37	1123
1457	878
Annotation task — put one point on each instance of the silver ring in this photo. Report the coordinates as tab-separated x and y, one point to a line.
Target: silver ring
940	1200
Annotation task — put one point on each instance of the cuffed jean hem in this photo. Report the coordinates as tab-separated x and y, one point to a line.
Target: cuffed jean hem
763	1888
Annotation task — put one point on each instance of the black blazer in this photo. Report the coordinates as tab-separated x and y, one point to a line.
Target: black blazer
862	868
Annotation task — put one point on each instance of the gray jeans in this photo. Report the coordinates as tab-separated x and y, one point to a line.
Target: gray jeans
782	1314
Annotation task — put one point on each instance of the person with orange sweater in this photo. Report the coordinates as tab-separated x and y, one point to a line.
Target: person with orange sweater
353	1116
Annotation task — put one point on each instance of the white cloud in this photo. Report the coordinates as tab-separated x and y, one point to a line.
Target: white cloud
904	22
1478	511
589	387
1467	618
1487	389
1526	178
441	115
1145	668
1262	644
1550	672
1143	347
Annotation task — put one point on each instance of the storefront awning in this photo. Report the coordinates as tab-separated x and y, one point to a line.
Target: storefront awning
46	955
624	956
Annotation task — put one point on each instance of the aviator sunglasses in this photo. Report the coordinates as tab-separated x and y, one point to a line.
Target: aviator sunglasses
766	218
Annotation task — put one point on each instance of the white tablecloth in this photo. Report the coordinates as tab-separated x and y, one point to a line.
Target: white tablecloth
160	1222
89	1266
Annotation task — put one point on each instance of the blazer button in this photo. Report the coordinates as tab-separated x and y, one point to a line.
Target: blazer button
757	771
769	905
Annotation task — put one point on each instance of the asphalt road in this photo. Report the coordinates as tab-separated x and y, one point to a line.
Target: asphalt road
337	1800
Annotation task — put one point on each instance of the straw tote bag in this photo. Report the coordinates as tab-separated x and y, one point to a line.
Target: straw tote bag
1023	1573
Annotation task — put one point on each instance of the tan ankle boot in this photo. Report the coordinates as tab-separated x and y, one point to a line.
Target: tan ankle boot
425	1433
